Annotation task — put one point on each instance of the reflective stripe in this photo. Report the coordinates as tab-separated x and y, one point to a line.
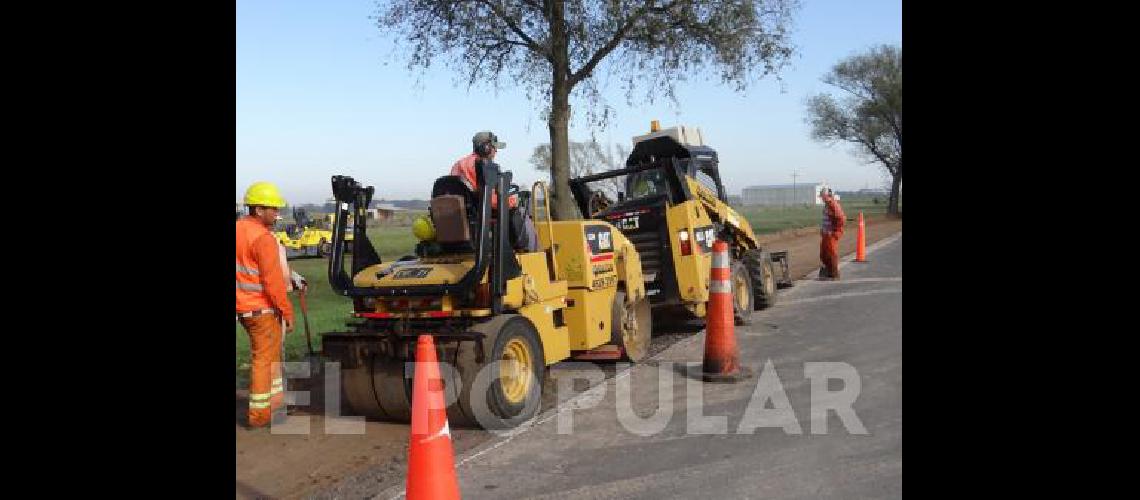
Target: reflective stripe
720	259
720	286
253	287
259	406
251	314
259	397
246	270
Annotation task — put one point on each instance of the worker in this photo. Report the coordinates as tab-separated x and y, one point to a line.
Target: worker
485	145
830	231
263	308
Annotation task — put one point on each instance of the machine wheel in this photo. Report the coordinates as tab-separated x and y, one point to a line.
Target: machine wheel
515	391
764	280
742	294
632	327
324	249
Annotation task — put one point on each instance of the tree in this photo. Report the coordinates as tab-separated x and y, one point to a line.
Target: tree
553	49
586	158
870	115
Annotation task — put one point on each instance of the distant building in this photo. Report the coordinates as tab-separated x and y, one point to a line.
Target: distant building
384	211
806	193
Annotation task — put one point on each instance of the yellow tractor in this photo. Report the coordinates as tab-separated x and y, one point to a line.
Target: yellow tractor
499	314
670	202
329	221
303	238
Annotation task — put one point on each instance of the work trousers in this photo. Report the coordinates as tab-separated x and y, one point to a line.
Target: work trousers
266	387
829	254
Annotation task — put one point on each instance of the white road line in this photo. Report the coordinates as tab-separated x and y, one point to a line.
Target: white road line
841	296
885	279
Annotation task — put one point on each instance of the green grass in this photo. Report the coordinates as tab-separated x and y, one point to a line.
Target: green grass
767	220
327	311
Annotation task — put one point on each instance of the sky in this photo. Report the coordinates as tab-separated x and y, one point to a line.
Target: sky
319	93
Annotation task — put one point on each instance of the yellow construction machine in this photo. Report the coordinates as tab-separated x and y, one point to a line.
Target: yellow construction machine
670	202
499	314
329	221
303	238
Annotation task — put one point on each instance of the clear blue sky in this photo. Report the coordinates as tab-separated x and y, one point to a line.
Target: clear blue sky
318	94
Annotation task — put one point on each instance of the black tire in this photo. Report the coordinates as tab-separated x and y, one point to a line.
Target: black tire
743	293
494	409
636	346
763	279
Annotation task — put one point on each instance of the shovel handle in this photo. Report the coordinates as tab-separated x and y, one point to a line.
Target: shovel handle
305	317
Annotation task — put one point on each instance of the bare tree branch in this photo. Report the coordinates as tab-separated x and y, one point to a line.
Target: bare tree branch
502	14
617	37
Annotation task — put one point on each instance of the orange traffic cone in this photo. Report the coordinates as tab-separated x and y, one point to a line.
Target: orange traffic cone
861	242
431	461
722	361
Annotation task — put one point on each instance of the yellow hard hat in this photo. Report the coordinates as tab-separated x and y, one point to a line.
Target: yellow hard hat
423	229
264	194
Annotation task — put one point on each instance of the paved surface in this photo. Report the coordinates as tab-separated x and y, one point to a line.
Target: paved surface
857	321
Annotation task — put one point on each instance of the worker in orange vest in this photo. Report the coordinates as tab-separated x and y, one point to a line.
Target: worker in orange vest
484	146
263	278
830	231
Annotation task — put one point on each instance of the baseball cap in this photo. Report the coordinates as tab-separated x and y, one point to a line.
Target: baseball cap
485	137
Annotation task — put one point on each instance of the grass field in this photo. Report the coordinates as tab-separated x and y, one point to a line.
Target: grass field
766	220
328	311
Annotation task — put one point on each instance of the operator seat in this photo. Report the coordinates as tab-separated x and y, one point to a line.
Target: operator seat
453	213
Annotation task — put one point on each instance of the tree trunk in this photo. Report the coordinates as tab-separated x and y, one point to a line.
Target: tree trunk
562	202
893	204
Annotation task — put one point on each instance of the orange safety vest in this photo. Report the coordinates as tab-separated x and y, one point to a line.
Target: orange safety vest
465	169
251	294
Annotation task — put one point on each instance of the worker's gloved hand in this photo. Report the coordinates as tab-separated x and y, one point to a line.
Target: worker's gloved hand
299	282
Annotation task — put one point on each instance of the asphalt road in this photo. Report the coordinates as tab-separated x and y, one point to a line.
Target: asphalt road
702	449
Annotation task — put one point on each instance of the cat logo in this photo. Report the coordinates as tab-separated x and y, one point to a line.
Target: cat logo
412	273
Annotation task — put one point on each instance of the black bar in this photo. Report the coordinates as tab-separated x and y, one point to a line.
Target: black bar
502	229
614	173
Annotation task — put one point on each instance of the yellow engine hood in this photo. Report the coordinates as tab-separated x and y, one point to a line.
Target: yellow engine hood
413	272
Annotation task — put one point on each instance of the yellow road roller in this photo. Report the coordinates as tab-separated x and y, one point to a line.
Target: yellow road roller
500	312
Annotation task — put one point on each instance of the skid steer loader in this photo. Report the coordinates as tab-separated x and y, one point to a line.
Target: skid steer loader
670	202
499	316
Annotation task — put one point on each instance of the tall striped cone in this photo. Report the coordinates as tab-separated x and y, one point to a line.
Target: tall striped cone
431	460
861	242
722	360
